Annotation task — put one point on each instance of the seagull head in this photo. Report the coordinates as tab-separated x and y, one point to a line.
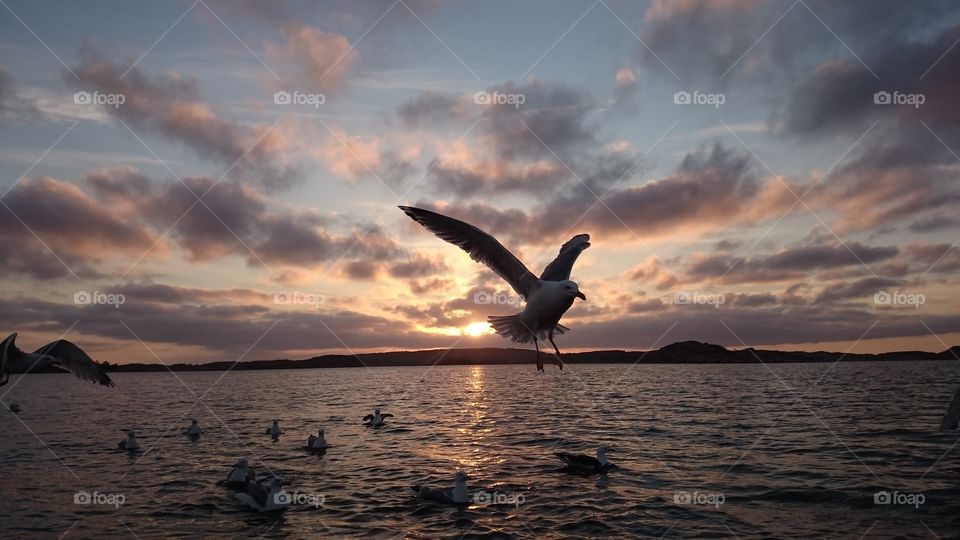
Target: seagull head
321	433
573	289
376	411
460	476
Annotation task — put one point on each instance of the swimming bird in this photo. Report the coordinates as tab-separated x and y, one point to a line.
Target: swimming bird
548	297
951	419
317	442
60	352
261	499
129	443
194	430
274	430
457	495
240	475
582	464
376	419
14	407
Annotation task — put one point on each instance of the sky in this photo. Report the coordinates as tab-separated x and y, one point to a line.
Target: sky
190	181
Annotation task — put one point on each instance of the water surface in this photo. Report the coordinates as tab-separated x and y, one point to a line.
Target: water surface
767	451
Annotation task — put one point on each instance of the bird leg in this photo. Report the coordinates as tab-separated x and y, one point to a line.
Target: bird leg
558	361
537	345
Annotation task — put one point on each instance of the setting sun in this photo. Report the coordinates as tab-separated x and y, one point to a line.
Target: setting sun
477	329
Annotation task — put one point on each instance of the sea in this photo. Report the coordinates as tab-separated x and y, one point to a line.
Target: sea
820	450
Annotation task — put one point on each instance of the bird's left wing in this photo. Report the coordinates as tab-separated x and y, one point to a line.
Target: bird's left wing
560	268
481	247
74	359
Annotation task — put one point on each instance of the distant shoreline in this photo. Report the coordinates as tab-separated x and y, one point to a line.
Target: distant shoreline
685	352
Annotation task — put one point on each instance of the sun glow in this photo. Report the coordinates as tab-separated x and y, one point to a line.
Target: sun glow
477	329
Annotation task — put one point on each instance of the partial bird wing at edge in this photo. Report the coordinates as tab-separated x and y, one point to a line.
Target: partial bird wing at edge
481	247
74	359
560	268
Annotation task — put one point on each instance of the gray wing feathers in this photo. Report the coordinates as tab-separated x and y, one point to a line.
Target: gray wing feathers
560	268
481	247
76	361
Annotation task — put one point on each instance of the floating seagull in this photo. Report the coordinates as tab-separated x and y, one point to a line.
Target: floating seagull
457	495
951	420
130	443
240	475
60	352
262	499
317	442
194	430
582	464
274	430
376	419
548	297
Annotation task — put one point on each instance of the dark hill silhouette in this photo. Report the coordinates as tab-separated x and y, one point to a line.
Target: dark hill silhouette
684	352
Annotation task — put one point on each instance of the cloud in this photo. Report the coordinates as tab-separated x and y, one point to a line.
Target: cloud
76	228
323	58
14	105
172	106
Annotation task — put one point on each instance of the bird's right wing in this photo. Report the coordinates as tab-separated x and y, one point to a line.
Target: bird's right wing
560	268
481	247
74	359
386	415
368	417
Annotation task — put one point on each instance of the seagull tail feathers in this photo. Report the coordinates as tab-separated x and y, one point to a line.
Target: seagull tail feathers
510	326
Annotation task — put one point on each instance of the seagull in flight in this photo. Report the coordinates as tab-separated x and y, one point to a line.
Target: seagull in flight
548	297
60	352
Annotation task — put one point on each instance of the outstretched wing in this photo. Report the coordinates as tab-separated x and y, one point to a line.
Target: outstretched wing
481	247
368	417
386	415
560	268
7	348
74	359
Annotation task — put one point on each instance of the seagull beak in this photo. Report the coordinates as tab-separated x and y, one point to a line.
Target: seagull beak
581	296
